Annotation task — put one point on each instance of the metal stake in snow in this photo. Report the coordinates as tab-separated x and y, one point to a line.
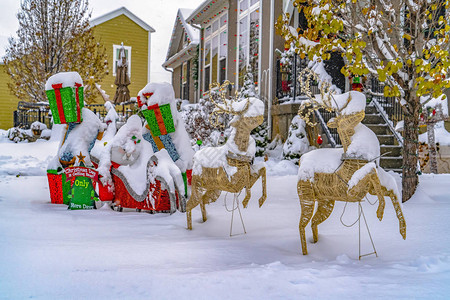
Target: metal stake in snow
234	207
361	212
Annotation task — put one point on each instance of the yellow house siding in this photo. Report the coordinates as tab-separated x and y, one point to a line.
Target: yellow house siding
123	30
8	102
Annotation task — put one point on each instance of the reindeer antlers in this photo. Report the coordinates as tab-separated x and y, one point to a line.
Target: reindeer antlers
326	94
227	106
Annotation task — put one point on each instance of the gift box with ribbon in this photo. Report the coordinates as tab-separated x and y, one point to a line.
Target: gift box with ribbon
65	96
159	119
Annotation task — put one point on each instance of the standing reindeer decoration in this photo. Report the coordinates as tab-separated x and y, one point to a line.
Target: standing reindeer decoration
342	174
229	167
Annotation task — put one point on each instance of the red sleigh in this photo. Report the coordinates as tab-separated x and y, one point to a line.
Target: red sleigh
155	199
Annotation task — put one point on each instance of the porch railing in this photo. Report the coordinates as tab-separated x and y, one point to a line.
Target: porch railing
288	87
27	112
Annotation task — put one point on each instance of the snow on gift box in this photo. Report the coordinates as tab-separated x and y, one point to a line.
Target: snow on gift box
229	167
65	95
342	174
127	164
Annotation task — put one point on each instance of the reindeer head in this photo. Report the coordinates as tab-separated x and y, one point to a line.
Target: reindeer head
248	113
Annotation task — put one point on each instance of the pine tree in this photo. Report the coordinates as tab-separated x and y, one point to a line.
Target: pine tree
261	136
53	36
297	142
248	88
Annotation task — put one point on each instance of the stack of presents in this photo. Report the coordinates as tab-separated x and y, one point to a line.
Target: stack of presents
145	165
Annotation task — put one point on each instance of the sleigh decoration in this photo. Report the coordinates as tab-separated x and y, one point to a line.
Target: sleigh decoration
138	163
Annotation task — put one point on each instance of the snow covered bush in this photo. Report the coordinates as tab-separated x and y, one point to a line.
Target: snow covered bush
198	124
297	142
261	136
248	88
37	131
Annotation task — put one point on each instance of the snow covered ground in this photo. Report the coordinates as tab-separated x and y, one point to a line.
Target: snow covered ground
49	252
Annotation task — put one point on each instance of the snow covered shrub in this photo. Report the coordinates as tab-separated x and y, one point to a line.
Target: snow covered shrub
38	131
261	136
248	88
199	127
297	142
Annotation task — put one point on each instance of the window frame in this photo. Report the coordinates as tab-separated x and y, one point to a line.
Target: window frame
209	39
115	58
246	14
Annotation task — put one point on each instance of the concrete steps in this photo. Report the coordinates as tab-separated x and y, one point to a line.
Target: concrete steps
392	159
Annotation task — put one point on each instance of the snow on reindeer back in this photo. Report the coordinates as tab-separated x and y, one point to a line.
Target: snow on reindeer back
66	78
215	157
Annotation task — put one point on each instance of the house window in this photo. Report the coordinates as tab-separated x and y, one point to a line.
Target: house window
184	87
248	39
116	52
215	51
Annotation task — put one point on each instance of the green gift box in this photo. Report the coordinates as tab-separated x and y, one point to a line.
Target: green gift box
159	119
356	79
66	103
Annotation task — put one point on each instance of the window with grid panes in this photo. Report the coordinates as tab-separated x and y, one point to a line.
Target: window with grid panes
248	39
215	50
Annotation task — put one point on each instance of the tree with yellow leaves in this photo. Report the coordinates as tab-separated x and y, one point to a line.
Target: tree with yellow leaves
404	43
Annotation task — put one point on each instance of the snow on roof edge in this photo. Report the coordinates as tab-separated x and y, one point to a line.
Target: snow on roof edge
121	11
193	33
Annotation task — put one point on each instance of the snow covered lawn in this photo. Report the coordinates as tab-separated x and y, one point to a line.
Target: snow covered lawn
49	252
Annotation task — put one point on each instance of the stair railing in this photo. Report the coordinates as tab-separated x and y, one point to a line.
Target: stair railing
388	107
325	129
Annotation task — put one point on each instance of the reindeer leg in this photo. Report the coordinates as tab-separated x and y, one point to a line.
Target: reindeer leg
398	210
193	201
262	174
324	209
208	197
379	192
306	196
189	219
248	194
202	207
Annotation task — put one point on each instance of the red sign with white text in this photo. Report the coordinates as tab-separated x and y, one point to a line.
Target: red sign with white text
81	171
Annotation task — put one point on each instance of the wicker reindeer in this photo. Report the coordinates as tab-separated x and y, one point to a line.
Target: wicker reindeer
229	167
343	174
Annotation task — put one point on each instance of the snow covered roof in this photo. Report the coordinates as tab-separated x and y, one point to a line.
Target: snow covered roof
121	11
181	27
204	11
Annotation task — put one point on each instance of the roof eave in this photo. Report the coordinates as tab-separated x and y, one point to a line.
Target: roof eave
121	11
199	9
170	63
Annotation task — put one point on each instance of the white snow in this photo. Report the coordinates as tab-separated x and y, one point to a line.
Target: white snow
442	136
339	102
79	139
193	33
364	145
165	168
360	174
433	102
49	252
66	78
132	157
325	160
